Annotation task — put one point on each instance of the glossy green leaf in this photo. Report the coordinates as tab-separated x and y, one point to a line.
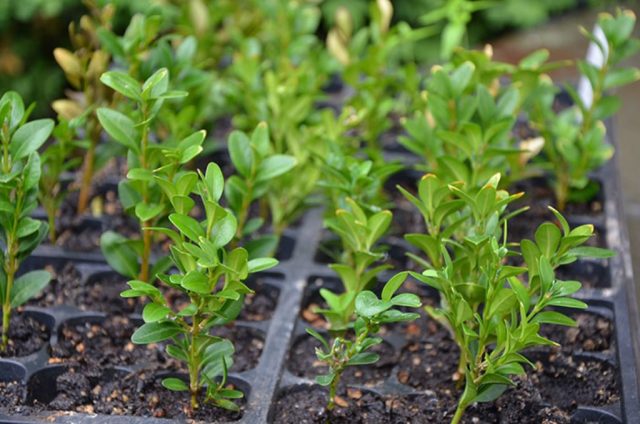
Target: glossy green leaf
119	255
122	83
27	286
175	384
120	127
274	166
153	312
154	332
29	137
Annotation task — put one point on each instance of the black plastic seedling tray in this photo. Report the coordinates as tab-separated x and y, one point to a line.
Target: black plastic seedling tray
262	385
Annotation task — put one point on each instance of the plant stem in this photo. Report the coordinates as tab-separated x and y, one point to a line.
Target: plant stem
51	218
6	310
146	252
87	176
333	389
146	234
459	413
194	364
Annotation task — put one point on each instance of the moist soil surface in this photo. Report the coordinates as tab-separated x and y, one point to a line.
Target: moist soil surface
106	343
26	335
304	363
248	344
11	394
100	293
104	392
594	333
306	405
259	306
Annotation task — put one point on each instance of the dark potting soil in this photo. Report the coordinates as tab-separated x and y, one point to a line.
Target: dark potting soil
429	359
567	381
591	274
259	306
520	404
111	393
538	196
100	293
248	344
106	343
11	394
594	333
26	335
306	405
304	363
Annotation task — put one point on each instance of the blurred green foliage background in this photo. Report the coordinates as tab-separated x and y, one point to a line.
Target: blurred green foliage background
31	29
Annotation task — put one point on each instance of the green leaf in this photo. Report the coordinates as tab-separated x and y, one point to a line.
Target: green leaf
274	166
27	226
175	384
368	305
145	212
393	285
27	286
120	127
548	238
490	392
119	255
567	302
140	174
409	300
619	77
153	332
29	137
325	380
241	153
260	264
157	84
214	181
187	226
197	282
122	83
592	252
364	358
553	317
153	312
313	333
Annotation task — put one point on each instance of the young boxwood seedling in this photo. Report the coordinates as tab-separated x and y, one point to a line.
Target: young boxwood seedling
258	167
465	132
212	276
492	315
355	315
57	159
359	234
370	312
454	211
154	168
575	144
20	234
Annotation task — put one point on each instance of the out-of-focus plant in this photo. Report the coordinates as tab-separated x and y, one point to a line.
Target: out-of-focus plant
370	59
456	16
575	143
82	68
20	234
258	168
57	159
